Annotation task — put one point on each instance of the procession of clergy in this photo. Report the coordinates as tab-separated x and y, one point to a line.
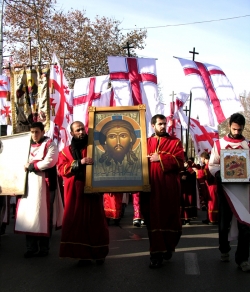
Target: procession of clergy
179	187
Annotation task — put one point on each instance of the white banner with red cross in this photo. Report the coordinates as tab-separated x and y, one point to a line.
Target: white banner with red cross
202	136
90	91
61	103
5	105
134	81
212	93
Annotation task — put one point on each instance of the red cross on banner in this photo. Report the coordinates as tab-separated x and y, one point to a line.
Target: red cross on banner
206	77
88	97
135	79
205	135
63	90
3	86
6	111
2	82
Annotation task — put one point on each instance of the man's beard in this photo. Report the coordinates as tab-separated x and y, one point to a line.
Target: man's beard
161	133
80	143
236	136
117	156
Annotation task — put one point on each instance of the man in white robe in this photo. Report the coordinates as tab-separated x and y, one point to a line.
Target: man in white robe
35	208
227	193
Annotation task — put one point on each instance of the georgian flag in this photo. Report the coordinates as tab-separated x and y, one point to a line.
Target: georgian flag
90	91
61	103
213	96
134	81
5	105
202	136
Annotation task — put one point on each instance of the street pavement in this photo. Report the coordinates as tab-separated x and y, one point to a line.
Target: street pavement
194	267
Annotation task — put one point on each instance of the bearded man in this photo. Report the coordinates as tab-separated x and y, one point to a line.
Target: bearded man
161	207
85	233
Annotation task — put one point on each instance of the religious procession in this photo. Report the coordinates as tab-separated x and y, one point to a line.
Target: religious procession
75	157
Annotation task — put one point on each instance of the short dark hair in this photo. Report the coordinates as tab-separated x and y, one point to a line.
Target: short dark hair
155	117
39	125
237	119
205	155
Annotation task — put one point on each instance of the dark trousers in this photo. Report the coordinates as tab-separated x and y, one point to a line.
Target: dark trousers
2	208
225	218
36	243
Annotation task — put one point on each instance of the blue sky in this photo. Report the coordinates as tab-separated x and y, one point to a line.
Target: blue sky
222	43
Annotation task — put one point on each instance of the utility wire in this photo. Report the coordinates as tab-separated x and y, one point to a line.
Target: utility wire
188	23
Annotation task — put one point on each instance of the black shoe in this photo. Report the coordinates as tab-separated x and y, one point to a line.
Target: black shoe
42	253
203	208
137	223
30	254
100	262
205	221
117	221
155	264
83	263
167	255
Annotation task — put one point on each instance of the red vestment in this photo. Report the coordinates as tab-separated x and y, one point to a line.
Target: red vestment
136	205
161	207
85	233
213	207
113	205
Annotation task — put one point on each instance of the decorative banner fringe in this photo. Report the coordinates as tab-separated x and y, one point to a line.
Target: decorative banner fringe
8	120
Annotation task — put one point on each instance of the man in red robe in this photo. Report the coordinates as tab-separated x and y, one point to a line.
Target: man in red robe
161	207
85	233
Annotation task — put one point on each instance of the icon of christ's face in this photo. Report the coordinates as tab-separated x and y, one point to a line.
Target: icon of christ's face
118	141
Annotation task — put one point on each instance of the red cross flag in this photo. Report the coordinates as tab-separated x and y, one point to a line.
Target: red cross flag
90	91
134	81
61	102
5	106
202	136
212	92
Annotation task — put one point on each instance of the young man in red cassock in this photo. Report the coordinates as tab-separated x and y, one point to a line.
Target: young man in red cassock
161	207
85	233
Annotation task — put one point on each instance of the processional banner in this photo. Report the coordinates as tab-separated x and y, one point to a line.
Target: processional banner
29	98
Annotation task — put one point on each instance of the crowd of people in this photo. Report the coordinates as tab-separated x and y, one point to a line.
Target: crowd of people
179	187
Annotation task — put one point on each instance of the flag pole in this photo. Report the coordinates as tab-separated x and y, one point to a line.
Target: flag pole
190	103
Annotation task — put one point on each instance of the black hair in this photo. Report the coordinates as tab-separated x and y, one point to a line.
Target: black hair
238	119
39	125
155	117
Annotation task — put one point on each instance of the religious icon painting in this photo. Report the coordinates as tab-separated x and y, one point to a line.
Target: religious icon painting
117	143
235	166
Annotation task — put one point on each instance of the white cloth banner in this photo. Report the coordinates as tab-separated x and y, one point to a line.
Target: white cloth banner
90	91
61	103
212	93
134	81
202	136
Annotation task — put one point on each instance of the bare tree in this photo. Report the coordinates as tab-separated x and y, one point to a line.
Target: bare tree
82	44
